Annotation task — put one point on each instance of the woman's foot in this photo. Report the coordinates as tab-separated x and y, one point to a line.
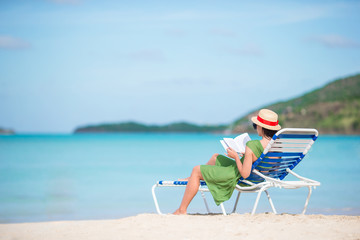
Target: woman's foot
178	212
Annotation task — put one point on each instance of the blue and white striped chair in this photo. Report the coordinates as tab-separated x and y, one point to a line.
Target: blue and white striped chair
284	152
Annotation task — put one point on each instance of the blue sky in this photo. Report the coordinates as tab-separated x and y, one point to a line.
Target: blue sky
67	63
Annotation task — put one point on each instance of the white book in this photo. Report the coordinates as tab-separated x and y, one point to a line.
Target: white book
238	143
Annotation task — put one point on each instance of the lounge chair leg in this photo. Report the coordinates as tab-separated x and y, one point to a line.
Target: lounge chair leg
307	200
223	209
206	205
270	201
155	199
236	202
256	202
257	199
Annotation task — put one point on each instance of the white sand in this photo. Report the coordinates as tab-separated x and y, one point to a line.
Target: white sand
151	226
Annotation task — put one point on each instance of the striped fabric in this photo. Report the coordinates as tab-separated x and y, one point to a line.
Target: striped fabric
284	151
177	183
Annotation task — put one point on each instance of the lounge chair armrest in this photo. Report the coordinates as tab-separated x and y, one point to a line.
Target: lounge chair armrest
302	178
280	183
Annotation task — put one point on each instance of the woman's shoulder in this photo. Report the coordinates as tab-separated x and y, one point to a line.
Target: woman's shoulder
253	143
255	146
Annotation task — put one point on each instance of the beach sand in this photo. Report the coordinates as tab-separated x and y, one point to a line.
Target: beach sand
152	226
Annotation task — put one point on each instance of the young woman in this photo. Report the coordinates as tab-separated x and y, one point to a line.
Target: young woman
221	173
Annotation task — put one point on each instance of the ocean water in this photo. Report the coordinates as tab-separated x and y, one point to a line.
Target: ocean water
104	176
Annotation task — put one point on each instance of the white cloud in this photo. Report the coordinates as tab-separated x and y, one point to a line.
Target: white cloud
175	32
222	32
335	41
295	14
66	1
246	50
148	55
291	12
9	42
185	82
189	15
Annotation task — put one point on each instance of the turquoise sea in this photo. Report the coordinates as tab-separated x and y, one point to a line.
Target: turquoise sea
103	176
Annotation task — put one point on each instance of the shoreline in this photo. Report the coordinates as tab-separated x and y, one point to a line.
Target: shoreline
327	134
195	226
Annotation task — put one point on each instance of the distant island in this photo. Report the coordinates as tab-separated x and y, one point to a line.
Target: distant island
4	131
139	127
332	109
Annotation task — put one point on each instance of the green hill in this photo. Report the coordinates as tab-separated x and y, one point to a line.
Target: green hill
334	108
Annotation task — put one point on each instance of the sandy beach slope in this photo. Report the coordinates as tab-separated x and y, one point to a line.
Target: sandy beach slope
152	226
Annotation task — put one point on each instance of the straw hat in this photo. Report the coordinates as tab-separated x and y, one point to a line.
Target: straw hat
267	119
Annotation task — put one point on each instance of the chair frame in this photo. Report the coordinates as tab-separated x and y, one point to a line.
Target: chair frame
267	182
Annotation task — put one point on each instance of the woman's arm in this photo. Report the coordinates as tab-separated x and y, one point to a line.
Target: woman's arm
245	168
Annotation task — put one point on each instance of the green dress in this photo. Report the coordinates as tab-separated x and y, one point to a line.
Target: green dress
222	177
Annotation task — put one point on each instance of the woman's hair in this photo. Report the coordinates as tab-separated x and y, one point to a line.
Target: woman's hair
269	133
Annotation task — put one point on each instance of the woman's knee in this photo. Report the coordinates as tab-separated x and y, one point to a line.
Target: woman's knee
196	170
213	159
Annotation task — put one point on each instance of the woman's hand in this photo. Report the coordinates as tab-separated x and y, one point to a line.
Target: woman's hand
232	153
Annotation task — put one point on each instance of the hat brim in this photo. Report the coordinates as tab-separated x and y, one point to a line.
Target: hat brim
254	120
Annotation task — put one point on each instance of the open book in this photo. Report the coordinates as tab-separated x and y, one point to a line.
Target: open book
238	143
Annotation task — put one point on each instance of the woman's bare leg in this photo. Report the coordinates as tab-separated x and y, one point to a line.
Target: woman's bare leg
212	159
210	162
191	190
